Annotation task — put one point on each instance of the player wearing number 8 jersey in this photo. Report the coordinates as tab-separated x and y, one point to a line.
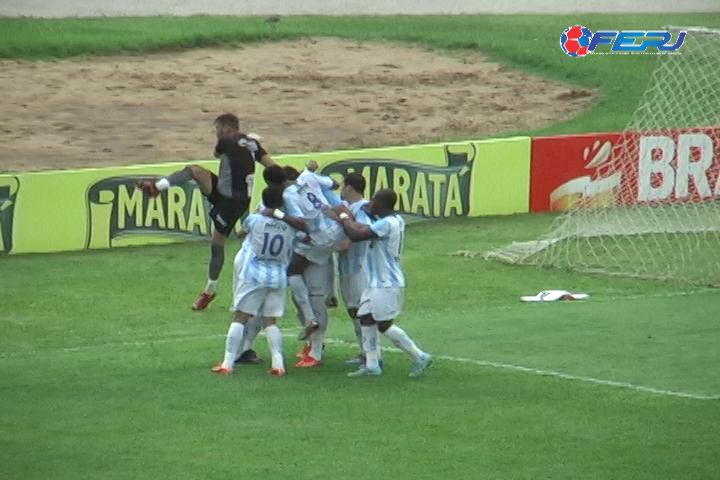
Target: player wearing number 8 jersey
308	272
260	279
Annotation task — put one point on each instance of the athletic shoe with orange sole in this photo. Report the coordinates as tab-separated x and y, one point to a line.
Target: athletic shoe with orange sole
308	362
221	370
277	372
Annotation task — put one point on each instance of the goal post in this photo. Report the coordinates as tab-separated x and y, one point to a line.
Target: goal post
662	217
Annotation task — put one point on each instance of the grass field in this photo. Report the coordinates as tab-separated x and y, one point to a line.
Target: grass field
104	370
530	43
105	374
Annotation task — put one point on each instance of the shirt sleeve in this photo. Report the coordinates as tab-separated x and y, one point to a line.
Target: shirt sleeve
249	222
331	196
381	227
324	180
257	150
291	206
363	217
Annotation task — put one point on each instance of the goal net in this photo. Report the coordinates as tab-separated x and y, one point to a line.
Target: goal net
661	217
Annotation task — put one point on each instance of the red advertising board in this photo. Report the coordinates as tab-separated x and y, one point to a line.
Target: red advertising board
610	169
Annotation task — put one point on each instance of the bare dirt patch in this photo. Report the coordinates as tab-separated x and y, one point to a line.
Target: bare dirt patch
305	96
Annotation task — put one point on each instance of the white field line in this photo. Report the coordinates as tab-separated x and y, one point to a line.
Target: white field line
343	343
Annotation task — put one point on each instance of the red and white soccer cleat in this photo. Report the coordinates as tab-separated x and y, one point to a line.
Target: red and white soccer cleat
221	370
304	351
277	372
148	187
203	301
308	362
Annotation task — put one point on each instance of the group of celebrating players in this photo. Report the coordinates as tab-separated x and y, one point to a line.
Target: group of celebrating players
290	242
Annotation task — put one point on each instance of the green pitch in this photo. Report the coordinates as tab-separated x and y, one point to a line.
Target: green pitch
105	374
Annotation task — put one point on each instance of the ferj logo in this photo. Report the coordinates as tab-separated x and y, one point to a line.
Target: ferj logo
9	187
579	41
423	190
118	209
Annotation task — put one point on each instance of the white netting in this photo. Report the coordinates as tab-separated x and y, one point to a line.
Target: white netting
660	218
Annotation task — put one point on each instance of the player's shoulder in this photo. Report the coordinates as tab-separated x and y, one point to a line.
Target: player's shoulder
254	217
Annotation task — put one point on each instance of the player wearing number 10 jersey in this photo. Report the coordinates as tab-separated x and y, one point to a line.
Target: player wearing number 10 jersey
260	280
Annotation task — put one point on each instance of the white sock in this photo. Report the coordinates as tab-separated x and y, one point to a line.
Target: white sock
358	332
302	296
210	287
401	340
162	184
370	342
316	343
232	343
274	338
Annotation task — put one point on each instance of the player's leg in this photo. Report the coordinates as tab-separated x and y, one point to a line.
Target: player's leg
370	339
388	305
305	349
215	265
202	176
248	354
246	302
300	293
225	213
232	343
332	298
371	349
352	287
274	308
316	280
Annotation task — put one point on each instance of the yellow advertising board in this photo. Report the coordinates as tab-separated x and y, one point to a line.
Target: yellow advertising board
100	208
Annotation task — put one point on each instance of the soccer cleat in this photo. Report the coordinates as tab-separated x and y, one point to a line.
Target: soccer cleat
148	187
358	359
221	370
420	365
308	362
277	372
308	330
304	351
203	301
365	372
248	357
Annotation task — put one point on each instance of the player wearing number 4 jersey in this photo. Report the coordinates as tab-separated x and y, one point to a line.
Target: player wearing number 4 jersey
260	279
381	302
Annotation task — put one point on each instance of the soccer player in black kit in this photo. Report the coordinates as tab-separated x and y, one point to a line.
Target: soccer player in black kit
227	191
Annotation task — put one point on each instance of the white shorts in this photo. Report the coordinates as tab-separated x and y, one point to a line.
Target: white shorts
317	254
317	278
383	304
259	301
352	287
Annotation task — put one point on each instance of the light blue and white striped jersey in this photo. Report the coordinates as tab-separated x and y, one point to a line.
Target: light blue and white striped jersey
309	195
383	257
266	251
349	262
289	203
